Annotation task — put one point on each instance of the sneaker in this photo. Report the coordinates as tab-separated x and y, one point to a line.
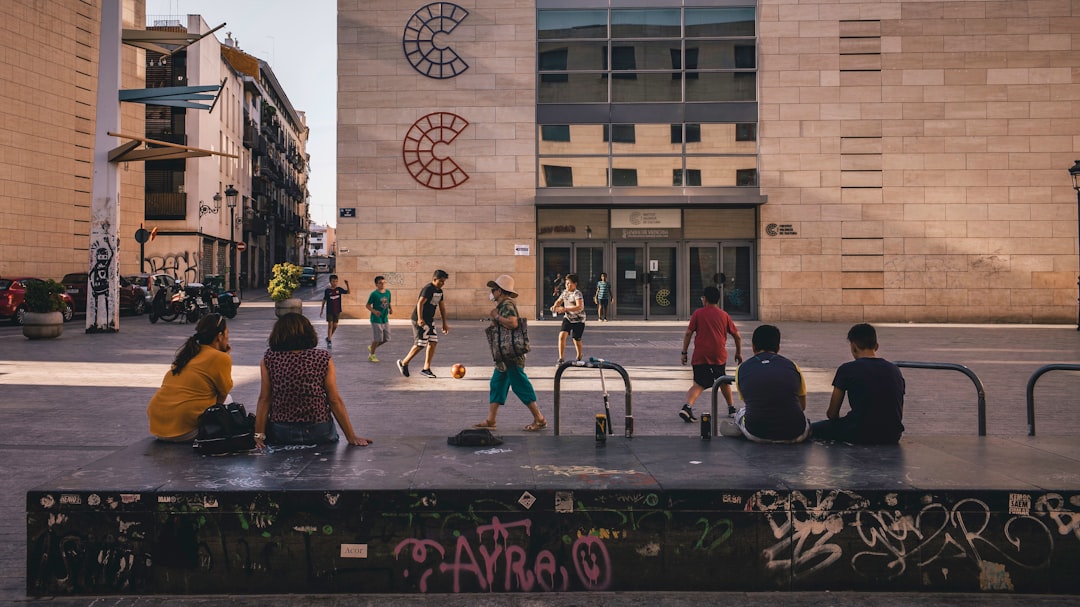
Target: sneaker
687	414
730	411
559	362
371	358
728	429
404	369
329	344
427	373
370	351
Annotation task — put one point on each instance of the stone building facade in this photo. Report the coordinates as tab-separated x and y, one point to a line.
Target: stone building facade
48	75
910	158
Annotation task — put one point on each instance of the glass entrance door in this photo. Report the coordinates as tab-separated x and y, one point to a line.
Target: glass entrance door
629	283
587	261
662	287
704	271
739	288
588	265
556	265
646	282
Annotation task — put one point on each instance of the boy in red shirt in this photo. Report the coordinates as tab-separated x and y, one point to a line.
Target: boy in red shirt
709	326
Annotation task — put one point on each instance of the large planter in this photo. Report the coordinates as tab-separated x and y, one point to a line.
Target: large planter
43	325
292	304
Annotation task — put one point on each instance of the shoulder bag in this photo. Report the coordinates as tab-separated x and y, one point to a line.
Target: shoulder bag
508	345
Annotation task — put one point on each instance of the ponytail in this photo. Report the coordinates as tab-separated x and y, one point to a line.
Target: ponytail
205	333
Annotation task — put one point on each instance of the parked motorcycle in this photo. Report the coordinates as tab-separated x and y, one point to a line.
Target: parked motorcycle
194	303
221	300
167	304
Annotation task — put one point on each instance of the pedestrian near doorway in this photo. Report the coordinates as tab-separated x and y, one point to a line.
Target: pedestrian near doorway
331	303
378	304
709	327
423	320
571	304
603	297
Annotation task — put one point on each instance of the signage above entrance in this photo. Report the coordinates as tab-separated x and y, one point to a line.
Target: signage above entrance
646	218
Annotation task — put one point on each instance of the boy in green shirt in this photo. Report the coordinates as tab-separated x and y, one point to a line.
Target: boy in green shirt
378	303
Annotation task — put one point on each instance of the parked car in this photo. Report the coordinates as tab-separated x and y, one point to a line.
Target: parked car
150	283
322	267
132	298
307	276
12	294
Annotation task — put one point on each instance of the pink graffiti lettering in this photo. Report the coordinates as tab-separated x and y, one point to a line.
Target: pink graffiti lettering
592	562
499	560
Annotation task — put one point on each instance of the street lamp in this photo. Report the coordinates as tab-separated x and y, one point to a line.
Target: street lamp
230	200
1074	172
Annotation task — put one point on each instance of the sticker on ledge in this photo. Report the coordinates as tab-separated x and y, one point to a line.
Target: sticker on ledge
1019	504
564	501
354	551
527	500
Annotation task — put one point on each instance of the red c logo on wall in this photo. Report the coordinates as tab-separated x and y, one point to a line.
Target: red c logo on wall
418	151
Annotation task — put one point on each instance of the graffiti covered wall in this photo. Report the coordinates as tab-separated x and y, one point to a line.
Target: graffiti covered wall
550	541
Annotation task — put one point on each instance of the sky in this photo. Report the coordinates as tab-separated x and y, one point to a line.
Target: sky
299	41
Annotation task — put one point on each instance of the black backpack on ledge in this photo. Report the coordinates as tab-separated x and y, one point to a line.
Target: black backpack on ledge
225	429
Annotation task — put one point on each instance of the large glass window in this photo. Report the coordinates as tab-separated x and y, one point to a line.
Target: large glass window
558	177
646	23
664	56
571	24
555	132
716	61
620	133
574	55
718	22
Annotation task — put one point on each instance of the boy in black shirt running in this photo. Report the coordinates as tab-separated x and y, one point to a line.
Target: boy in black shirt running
423	320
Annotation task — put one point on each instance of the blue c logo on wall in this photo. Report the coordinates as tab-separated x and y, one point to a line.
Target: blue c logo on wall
418	40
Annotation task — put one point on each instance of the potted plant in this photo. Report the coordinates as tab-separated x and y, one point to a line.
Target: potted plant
286	279
44	318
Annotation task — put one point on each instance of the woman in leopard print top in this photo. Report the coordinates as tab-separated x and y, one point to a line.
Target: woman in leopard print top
299	391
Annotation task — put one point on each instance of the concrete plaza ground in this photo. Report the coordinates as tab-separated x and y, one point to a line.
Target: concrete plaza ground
76	399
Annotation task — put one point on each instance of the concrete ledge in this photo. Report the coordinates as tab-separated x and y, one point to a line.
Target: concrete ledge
543	513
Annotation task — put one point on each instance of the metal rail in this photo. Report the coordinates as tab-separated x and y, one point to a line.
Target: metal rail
723	379
1031	389
595	363
961	368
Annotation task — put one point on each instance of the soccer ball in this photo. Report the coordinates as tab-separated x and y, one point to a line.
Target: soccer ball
458	371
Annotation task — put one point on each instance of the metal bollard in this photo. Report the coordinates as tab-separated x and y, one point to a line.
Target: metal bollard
706	426
601	429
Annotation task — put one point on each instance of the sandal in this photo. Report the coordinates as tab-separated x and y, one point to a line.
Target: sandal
485	425
536	426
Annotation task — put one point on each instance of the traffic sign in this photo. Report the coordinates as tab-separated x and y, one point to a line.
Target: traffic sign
240	246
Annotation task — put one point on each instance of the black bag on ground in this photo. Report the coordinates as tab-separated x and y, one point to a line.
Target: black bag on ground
225	429
477	437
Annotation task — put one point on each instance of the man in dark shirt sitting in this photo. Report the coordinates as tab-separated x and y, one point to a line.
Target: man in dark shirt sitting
875	393
774	392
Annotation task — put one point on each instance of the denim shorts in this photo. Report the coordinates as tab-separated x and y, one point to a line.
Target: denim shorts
301	433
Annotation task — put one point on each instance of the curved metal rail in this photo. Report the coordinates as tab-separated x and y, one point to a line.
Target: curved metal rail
961	368
1031	389
723	379
595	363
